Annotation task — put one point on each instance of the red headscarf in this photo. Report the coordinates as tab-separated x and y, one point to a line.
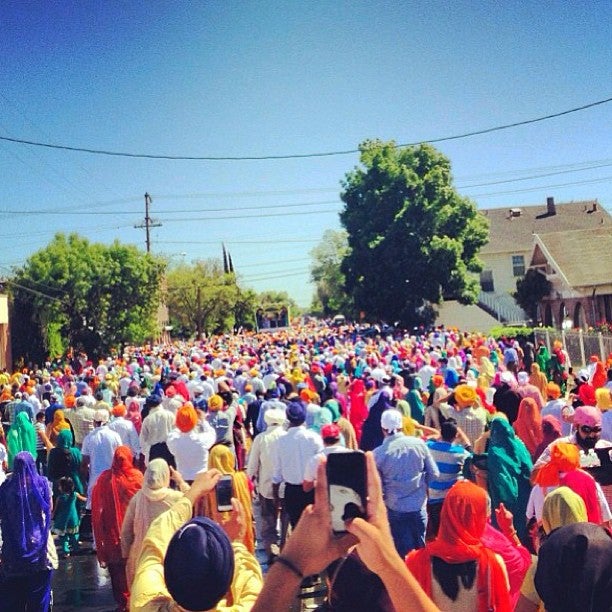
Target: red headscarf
133	414
109	500
584	485
528	424
462	524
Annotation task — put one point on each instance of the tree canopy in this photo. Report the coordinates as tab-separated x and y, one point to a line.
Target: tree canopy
412	238
530	290
88	296
326	273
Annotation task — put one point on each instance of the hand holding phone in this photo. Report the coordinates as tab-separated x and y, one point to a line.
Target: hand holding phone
224	491
347	485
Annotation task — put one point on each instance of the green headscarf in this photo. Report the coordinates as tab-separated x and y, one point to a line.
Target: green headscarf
21	437
509	467
65	439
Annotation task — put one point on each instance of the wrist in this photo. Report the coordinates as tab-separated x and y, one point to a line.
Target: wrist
289	566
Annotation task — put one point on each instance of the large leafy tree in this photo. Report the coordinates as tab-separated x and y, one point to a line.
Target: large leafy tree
530	290
327	275
412	238
202	297
87	296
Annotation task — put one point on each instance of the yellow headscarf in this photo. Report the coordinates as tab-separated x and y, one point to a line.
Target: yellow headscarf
604	399
222	459
59	421
562	507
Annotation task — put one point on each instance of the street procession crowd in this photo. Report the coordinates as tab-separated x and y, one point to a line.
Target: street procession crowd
488	463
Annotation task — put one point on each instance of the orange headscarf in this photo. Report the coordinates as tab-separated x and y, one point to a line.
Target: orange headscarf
59	421
564	457
528	424
222	459
462	524
109	501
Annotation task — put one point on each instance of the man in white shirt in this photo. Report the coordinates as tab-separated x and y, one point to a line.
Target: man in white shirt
259	470
190	441
98	450
290	454
125	429
158	423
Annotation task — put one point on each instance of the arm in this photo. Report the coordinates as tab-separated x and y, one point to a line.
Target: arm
377	550
127	529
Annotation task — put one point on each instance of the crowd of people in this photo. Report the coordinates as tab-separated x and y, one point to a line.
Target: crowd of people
489	473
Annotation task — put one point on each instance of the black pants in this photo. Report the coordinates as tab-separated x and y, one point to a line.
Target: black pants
41	461
295	502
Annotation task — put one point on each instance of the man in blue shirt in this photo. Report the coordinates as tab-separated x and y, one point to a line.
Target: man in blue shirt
406	467
449	458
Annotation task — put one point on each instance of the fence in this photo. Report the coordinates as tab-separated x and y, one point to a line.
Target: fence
578	344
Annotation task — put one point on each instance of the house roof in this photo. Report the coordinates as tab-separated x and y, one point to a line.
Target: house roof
584	257
511	229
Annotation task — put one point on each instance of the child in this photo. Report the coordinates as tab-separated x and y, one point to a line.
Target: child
66	520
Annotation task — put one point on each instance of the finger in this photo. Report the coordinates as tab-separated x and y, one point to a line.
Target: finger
362	530
321	493
238	510
375	498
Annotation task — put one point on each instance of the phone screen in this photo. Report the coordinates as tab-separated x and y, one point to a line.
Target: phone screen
224	491
346	481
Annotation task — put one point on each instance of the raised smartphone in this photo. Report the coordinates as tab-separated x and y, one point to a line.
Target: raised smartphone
224	490
347	485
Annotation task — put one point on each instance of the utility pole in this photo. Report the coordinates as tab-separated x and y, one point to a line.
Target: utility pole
148	222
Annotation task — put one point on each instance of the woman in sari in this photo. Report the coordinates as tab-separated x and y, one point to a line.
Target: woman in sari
58	424
509	468
28	555
538	379
456	570
221	458
155	497
21	437
65	460
528	424
110	498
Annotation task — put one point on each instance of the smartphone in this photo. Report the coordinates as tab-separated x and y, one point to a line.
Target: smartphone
224	490
347	486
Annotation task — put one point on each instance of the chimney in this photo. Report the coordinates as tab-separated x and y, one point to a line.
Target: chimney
594	208
550	206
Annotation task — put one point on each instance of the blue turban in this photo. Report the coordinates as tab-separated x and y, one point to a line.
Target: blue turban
199	564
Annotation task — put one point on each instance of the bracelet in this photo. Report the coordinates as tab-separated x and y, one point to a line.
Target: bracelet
289	565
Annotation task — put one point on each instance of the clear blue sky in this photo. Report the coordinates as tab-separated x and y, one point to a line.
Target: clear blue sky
272	78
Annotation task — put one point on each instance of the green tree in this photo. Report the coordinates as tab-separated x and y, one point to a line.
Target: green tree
88	296
530	290
327	275
201	298
412	238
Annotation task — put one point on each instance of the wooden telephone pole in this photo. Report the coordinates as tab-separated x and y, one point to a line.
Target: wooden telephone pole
148	222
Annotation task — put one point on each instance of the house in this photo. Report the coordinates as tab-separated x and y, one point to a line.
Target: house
511	242
578	263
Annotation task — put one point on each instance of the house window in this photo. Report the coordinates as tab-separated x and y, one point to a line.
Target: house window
486	280
518	265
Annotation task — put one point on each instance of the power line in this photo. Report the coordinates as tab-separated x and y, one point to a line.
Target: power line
486	195
295	155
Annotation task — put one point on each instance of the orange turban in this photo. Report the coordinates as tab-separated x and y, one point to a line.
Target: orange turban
564	457
119	410
305	395
438	380
69	401
465	396
186	417
553	390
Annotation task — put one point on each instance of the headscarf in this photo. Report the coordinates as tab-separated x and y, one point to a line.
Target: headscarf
462	524
509	468
599	376
528	424
21	437
603	399
59	421
551	431
562	507
25	513
358	410
584	485
222	459
133	415
538	379
110	497
372	435
573	572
